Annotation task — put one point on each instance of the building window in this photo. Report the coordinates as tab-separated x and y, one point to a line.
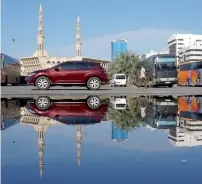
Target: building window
58	62
53	62
197	50
48	62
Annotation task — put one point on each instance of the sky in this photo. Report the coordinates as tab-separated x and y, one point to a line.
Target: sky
145	24
99	157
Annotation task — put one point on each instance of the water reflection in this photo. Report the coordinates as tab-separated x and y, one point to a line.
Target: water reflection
180	118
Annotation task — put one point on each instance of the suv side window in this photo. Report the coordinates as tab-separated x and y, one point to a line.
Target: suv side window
67	66
81	66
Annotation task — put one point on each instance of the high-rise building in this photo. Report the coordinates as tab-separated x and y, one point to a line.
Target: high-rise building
118	47
119	135
178	41
189	133
191	53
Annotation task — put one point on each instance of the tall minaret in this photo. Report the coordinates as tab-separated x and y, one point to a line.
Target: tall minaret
40	35
41	144
78	145
78	37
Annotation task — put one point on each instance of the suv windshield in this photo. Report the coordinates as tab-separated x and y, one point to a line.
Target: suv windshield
120	77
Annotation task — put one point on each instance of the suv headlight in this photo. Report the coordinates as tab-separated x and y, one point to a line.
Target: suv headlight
31	74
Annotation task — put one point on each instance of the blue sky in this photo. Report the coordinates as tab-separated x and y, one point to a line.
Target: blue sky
99	157
146	24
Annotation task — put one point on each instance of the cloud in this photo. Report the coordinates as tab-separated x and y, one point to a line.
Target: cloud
141	41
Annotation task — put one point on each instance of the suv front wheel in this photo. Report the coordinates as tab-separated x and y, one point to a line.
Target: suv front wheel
42	83
94	83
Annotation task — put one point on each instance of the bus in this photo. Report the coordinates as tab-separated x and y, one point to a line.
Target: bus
10	113
160	69
10	70
161	112
190	107
190	73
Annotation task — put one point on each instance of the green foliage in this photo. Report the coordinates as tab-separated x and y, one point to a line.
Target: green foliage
129	118
126	63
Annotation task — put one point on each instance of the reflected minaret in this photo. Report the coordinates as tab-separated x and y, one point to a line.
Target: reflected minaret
41	144
40	36
78	141
78	37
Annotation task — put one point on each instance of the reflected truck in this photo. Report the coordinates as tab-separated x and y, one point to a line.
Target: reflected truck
190	107
10	113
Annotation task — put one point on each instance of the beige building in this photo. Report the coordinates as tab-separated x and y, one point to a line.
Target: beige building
41	58
188	133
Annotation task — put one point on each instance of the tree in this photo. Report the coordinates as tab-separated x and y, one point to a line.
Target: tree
126	63
129	118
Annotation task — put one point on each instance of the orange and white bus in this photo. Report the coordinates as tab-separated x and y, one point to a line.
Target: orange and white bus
190	107
10	70
190	73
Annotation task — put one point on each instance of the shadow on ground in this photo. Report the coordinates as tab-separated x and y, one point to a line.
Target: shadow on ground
70	89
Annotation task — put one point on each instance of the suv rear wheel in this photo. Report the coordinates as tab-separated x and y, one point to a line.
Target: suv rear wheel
43	103
93	83
42	83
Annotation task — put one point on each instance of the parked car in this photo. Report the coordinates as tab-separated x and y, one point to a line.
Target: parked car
119	102
119	80
70	112
90	74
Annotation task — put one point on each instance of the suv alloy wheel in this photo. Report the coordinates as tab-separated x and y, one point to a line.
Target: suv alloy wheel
43	103
42	83
94	102
93	83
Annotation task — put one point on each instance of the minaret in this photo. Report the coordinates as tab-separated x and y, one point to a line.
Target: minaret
78	37
41	145
78	145
40	36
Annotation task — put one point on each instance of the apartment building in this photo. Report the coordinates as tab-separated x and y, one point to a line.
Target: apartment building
179	41
191	53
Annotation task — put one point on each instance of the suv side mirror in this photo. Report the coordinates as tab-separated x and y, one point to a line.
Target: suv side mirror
57	69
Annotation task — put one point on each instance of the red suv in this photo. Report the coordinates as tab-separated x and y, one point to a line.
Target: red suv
90	74
81	111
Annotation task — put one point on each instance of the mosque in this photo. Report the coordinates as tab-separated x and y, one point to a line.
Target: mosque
42	60
41	125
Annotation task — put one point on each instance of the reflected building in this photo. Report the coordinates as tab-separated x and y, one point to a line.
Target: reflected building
118	135
187	133
41	125
78	143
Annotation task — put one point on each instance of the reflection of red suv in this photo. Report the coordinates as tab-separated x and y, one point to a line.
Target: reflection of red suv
90	74
81	111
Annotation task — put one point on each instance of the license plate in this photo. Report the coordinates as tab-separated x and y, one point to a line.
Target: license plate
167	82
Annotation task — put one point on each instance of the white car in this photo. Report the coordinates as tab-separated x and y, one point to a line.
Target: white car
119	80
119	103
